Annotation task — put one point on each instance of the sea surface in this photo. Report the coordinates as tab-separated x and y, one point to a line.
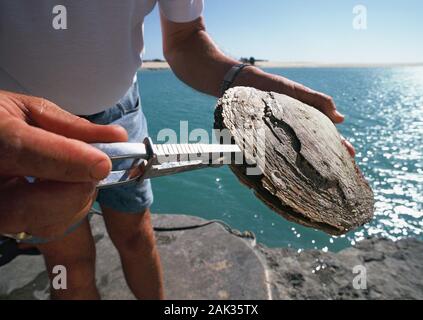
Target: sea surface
384	121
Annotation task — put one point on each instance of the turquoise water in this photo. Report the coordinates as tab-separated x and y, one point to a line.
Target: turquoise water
384	109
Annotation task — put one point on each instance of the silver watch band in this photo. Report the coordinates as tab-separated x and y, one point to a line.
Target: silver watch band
231	76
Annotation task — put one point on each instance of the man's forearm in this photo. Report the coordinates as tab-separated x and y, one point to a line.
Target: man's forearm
197	61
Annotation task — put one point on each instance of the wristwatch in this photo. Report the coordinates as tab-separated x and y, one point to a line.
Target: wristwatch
231	76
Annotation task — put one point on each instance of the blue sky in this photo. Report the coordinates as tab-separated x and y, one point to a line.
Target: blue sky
309	30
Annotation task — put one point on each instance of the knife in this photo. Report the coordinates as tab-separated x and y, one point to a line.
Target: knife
147	160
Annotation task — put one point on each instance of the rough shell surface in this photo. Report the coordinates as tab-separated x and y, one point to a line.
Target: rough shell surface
305	172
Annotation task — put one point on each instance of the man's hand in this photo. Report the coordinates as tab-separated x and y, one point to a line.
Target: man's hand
38	139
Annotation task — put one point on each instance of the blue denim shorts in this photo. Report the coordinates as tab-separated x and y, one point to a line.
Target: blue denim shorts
133	198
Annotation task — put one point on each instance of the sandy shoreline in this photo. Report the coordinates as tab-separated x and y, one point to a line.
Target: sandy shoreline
149	65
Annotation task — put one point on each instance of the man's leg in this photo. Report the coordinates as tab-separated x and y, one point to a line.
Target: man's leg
76	252
133	236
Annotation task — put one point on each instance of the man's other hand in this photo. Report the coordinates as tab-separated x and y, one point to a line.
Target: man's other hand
38	139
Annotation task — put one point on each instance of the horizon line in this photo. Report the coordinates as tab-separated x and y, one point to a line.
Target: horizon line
162	64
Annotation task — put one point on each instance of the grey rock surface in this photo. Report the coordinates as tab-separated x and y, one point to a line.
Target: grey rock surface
203	263
394	270
211	263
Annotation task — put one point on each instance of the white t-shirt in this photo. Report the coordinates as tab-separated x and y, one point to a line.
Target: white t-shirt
87	67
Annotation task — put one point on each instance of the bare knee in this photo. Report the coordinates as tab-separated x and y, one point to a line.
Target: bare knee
132	234
72	275
78	267
78	254
78	261
72	259
138	240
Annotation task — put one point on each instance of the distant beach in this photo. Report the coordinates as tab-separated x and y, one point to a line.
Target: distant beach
155	65
160	65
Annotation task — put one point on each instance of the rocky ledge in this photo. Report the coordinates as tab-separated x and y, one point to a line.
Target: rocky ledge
211	263
389	270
